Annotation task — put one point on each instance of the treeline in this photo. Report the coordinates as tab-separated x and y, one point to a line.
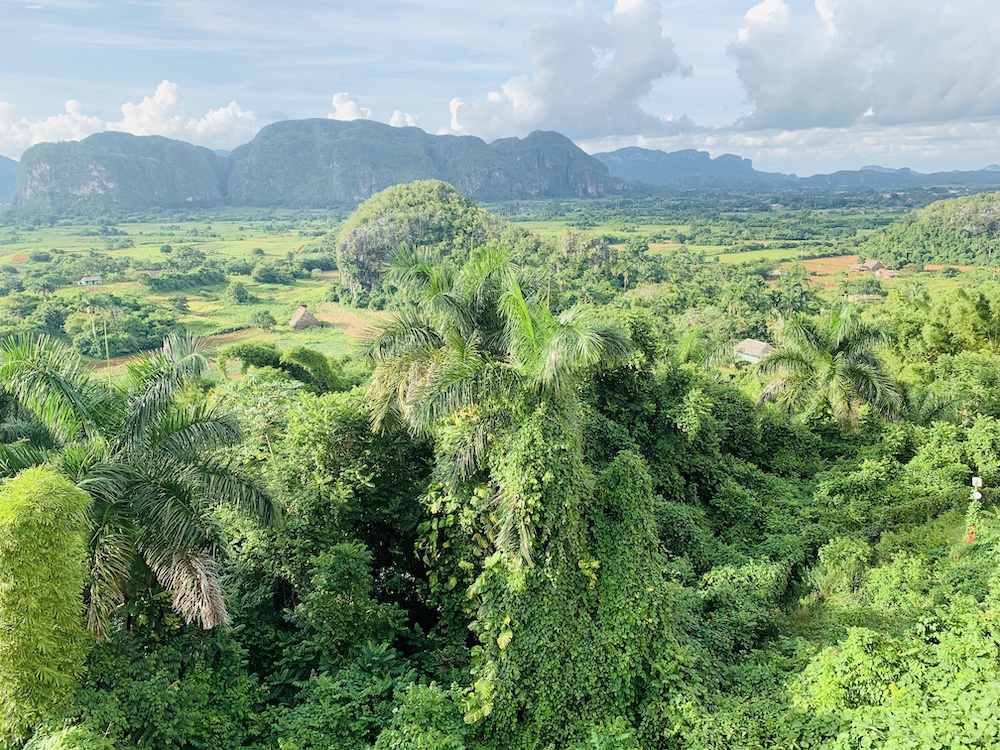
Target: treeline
961	231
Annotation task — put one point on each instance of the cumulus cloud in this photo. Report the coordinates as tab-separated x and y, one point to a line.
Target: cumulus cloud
590	75
346	107
18	133
162	113
400	119
843	62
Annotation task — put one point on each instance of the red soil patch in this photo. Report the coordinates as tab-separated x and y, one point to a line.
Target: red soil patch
827	266
19	258
356	324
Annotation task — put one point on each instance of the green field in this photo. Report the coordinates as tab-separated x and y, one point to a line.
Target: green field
227	236
209	314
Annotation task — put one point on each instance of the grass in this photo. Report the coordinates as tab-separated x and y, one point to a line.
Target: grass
209	313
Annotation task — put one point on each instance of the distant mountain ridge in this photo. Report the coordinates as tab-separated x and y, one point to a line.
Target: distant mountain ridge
314	163
320	163
692	169
8	179
687	169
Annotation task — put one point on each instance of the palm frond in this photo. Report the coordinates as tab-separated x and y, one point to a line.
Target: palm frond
16	457
191	432
171	511
222	485
49	380
578	341
112	555
194	581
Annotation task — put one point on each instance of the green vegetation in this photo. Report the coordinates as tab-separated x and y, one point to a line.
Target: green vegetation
544	504
42	571
961	232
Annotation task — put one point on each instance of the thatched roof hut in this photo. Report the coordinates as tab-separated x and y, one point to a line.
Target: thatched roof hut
752	350
303	319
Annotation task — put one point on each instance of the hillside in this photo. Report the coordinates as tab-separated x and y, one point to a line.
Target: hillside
957	231
119	171
692	169
8	179
317	163
300	164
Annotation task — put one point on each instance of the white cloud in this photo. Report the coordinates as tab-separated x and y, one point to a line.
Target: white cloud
401	119
223	127
844	60
162	113
18	133
159	114
590	76
345	107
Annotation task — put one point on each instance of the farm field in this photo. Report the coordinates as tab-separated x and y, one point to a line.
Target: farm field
226	237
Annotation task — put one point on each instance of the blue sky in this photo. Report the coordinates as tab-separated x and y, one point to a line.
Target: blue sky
796	85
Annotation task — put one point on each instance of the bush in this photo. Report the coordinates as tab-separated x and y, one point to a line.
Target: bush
427	718
263	319
43	519
162	691
237	294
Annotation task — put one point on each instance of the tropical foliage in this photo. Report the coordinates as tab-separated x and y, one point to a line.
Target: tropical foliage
545	507
830	363
149	462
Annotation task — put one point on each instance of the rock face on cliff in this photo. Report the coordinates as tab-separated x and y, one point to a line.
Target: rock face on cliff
326	162
8	179
119	171
302	164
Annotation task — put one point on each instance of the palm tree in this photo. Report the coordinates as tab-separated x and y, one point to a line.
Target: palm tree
830	363
482	333
150	464
480	342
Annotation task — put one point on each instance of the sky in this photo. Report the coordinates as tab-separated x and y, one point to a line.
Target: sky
802	86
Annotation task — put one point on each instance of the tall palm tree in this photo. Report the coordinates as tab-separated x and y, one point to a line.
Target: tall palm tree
830	362
481	341
150	463
483	332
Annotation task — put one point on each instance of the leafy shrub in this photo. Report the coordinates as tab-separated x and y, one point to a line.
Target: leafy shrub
426	718
43	523
185	688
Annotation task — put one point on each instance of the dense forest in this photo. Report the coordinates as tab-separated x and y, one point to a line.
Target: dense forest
547	503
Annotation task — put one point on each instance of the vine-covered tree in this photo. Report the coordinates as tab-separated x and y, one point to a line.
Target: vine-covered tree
43	529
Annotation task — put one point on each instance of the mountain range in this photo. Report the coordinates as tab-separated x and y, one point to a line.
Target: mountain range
322	163
697	169
301	164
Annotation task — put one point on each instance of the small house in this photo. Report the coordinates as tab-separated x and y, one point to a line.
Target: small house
303	319
869	265
90	281
752	350
886	273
